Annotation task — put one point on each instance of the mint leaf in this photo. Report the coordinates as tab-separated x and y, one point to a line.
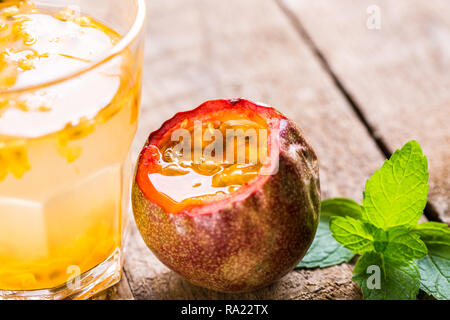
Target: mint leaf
435	276
340	207
380	279
436	236
396	194
325	251
399	244
435	267
353	234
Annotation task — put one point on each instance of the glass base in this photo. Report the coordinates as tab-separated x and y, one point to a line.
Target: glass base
90	283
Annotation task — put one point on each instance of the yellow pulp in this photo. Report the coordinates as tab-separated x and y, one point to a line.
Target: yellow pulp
64	164
210	170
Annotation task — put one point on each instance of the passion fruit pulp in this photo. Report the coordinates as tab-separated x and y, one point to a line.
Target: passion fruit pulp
231	214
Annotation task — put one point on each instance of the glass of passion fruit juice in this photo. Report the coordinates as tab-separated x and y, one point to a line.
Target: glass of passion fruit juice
70	81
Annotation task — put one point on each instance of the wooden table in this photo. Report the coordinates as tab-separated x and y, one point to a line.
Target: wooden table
357	92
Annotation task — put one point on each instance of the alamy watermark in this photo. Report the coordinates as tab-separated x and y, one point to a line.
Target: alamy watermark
74	280
374	17
374	280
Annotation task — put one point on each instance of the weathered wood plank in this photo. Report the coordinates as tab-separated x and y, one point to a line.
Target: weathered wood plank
399	75
198	50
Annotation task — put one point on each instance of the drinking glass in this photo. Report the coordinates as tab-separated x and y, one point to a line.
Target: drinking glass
64	191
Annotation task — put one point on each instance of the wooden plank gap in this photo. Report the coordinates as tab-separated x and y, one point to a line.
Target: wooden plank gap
293	19
130	294
430	212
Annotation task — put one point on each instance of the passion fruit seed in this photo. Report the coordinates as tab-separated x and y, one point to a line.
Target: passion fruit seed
234	175
13	159
27	6
10	12
65	141
67	14
207	167
173	170
83	21
8	74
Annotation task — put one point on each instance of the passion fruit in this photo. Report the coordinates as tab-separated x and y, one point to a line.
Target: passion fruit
228	221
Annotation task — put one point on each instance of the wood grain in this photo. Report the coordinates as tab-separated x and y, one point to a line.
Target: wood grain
198	50
399	76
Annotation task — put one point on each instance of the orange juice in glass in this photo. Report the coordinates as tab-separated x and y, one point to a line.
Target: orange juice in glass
70	81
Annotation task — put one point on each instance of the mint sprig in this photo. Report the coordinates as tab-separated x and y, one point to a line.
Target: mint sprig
398	256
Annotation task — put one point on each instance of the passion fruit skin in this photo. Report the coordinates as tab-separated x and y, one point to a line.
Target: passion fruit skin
247	244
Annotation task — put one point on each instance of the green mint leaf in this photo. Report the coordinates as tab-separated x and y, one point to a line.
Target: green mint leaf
396	194
325	251
436	236
435	276
340	207
381	279
353	234
399	244
435	267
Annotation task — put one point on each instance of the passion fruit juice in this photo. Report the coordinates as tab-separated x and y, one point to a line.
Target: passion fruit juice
64	149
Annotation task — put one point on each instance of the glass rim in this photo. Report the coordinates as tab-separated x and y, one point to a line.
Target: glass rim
117	49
